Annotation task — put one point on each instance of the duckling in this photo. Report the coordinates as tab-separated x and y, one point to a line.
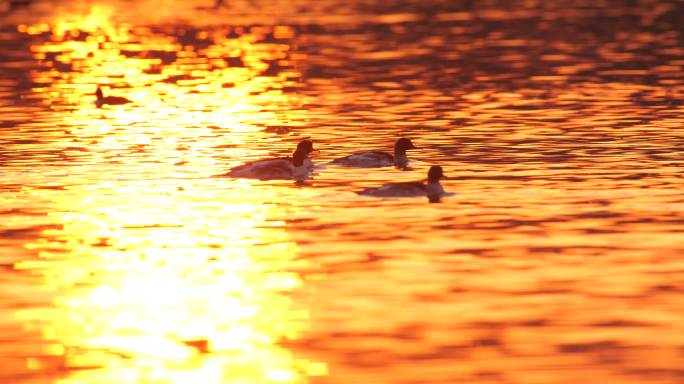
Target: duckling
433	189
297	167
111	100
373	159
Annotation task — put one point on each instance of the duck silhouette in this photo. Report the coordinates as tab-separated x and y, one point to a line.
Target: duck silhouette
433	189
374	159
297	167
109	100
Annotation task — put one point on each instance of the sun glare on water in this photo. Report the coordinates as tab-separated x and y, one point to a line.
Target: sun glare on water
189	283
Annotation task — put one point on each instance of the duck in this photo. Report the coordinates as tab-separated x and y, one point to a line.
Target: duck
433	189
374	159
110	100
297	167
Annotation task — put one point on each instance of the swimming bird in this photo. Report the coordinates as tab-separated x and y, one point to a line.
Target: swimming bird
111	100
373	159
433	189
297	167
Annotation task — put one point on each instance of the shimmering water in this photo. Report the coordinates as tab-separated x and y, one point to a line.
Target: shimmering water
558	260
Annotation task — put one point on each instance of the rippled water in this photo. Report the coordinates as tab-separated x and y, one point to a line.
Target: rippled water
558	260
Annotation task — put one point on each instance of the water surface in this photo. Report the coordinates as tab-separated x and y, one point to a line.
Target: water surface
558	259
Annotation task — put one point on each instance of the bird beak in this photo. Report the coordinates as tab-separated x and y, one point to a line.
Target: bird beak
413	146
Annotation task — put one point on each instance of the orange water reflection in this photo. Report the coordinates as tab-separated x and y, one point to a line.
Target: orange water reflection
557	261
190	283
197	301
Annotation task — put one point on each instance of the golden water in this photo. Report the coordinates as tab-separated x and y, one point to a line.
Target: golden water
558	260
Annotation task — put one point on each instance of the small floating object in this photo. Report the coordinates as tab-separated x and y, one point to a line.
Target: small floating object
110	100
375	159
433	189
297	167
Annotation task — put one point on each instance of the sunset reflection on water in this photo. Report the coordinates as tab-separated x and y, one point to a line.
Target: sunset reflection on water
186	284
125	258
140	301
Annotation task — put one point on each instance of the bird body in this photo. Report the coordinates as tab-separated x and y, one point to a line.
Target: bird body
433	189
297	167
406	189
109	100
264	169
370	159
374	159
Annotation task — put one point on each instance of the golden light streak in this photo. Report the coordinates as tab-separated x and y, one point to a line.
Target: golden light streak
159	278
